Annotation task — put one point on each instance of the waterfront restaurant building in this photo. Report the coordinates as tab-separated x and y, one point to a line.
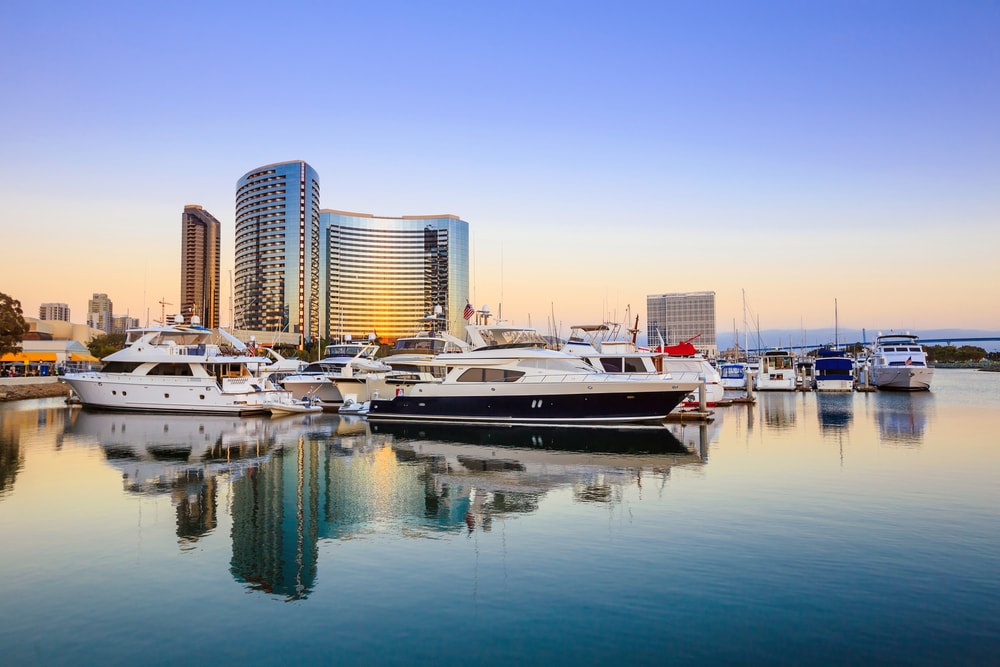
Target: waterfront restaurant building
384	275
681	316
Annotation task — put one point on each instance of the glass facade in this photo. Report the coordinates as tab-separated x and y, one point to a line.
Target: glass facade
676	317
384	275
277	276
200	250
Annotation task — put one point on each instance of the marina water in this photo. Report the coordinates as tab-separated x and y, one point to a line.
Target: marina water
805	529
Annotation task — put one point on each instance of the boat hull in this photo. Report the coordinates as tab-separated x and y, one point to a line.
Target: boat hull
835	384
189	395
558	405
902	378
779	381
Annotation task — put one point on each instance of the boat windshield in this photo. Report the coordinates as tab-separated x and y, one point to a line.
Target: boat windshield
342	350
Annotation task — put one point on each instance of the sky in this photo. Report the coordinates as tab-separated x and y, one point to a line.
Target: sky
790	155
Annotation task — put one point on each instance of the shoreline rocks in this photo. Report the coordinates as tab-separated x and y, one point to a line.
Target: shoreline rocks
23	392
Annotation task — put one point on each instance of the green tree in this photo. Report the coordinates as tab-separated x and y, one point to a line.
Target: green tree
12	325
102	346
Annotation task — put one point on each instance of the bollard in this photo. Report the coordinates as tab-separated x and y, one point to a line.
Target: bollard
749	377
702	403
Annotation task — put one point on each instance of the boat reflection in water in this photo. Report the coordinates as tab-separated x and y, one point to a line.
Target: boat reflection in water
836	411
417	480
902	417
777	409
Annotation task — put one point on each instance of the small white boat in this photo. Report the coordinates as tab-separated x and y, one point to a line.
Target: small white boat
343	371
303	406
733	376
354	407
777	371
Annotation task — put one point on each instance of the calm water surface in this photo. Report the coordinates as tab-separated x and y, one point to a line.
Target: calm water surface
805	529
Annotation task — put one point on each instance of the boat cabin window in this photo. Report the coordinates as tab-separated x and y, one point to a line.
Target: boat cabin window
226	370
489	375
171	369
120	366
623	365
416	369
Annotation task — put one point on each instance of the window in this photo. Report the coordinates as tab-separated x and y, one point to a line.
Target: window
489	375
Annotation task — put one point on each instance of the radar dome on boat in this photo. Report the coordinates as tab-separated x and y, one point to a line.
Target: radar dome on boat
347	338
195	320
178	318
371	338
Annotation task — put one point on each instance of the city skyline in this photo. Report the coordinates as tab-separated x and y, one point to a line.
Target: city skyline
797	155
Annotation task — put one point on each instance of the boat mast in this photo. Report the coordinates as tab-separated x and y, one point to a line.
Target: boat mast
836	329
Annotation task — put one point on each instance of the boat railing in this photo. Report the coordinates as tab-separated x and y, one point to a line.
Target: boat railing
597	378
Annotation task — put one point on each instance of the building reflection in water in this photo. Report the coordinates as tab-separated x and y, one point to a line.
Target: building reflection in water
412	481
902	416
179	456
20	417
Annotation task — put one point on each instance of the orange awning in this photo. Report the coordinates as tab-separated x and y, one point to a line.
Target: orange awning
82	356
25	357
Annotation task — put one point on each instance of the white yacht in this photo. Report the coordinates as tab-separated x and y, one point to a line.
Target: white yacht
599	345
178	368
777	371
898	361
341	374
523	384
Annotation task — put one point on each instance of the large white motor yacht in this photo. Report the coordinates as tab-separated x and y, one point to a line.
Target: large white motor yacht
530	385
177	368
898	361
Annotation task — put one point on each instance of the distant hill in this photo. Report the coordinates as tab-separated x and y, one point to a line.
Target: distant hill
817	337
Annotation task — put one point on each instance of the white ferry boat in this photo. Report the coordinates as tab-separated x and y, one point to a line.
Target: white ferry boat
177	368
898	361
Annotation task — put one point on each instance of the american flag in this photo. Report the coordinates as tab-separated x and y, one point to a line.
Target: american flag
909	361
468	312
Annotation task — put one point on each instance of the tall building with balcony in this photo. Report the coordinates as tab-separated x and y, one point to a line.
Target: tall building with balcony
277	263
681	316
200	265
383	275
99	312
54	311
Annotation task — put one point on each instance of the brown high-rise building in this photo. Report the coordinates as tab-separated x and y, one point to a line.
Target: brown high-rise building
200	252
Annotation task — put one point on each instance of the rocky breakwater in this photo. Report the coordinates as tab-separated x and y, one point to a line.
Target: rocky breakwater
19	389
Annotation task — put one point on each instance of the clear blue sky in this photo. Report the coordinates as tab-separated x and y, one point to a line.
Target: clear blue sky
800	151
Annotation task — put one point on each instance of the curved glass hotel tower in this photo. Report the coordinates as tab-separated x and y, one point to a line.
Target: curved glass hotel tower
278	249
384	275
